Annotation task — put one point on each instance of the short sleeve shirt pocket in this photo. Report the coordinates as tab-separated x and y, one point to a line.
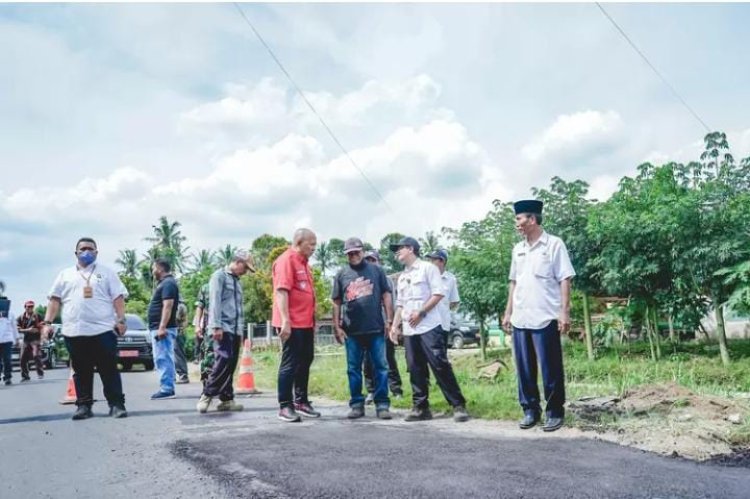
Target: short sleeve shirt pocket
543	267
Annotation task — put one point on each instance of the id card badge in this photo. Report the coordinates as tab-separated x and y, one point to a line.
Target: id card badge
88	292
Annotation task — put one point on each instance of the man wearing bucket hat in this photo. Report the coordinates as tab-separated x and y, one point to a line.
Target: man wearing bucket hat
538	312
360	292
226	319
420	289
394	377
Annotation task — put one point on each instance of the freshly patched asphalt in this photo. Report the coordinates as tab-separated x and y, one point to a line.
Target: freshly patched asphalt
166	449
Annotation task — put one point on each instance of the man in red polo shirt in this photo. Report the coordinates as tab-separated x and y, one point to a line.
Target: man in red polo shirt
294	320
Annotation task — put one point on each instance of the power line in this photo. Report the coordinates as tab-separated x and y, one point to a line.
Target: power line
653	68
312	108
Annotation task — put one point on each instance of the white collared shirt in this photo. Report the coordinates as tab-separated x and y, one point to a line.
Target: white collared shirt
8	329
538	270
416	285
88	316
451	296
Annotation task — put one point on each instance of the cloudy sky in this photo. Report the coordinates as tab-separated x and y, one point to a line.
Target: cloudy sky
113	115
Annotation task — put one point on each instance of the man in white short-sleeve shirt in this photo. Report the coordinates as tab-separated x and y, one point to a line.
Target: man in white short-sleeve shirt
538	312
451	300
93	315
420	289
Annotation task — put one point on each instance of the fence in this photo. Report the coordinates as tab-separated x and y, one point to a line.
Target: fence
262	334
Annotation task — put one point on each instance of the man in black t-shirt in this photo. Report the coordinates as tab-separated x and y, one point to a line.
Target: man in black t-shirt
162	323
360	291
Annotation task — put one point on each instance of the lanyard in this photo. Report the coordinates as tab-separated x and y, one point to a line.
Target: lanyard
88	279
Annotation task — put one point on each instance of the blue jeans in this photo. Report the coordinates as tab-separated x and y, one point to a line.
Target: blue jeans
374	345
164	359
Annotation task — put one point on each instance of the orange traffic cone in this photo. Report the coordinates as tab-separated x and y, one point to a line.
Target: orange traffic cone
246	381
70	395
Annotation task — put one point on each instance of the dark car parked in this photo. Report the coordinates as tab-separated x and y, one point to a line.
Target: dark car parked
53	351
134	347
463	332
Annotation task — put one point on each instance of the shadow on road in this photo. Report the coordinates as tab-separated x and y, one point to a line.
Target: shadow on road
67	415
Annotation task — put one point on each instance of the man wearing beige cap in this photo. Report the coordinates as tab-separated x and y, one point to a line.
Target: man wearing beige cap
225	321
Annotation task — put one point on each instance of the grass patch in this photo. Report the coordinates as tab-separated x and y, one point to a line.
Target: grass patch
695	366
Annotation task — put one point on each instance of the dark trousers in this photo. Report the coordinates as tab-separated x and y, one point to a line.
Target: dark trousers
198	352
430	349
294	371
32	350
543	344
394	377
226	355
5	360
100	352
180	361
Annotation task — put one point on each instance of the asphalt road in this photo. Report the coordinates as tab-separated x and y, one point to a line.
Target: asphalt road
166	449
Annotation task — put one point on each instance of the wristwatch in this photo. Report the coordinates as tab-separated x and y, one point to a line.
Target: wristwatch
121	320
422	314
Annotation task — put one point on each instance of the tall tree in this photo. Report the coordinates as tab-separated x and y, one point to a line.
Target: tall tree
723	236
429	243
225	255
203	260
323	257
169	242
128	260
388	259
263	246
566	211
480	255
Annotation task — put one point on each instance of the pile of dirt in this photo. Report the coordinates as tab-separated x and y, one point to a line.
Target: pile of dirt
668	419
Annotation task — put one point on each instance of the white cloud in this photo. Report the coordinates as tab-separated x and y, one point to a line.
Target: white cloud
270	107
575	135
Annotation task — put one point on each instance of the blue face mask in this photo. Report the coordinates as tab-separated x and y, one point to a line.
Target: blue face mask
87	258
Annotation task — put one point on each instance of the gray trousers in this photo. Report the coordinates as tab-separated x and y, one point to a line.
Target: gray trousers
180	361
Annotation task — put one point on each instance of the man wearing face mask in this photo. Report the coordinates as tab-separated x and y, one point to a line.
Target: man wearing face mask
361	289
162	323
93	315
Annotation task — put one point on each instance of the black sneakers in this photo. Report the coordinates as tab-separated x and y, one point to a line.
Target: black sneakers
553	424
82	412
118	411
417	414
459	414
306	409
530	419
289	415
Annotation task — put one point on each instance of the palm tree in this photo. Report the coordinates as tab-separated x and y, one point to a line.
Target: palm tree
324	256
144	266
205	259
430	243
128	260
225	255
168	240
